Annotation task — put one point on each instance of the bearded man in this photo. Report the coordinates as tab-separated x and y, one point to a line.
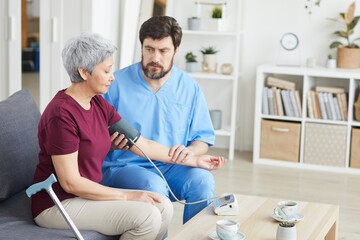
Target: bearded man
166	105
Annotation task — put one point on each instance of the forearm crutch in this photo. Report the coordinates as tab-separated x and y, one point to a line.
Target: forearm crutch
46	185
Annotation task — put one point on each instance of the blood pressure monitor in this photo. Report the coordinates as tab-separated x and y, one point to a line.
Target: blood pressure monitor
226	205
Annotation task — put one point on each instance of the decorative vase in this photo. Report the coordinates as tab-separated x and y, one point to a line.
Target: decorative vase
191	67
209	64
286	233
348	57
193	23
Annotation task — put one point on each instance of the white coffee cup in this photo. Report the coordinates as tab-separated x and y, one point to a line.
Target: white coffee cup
286	209
227	229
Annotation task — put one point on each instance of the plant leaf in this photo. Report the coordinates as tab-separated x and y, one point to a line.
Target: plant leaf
342	15
349	15
341	34
354	22
335	44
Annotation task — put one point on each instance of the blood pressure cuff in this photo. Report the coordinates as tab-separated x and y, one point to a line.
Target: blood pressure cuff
123	127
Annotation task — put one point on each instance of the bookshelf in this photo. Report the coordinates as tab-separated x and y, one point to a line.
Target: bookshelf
220	90
322	144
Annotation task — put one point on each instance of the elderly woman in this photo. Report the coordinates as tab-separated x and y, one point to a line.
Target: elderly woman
74	139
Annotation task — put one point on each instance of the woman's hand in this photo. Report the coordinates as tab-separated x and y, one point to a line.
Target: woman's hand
119	143
142	197
210	162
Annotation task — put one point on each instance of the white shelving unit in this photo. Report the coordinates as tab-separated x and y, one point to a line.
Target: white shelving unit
220	90
307	79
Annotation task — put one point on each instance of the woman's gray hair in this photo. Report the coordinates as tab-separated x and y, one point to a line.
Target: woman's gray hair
85	51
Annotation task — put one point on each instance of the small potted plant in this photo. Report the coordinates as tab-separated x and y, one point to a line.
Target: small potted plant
286	231
348	53
331	62
209	56
194	23
216	13
191	62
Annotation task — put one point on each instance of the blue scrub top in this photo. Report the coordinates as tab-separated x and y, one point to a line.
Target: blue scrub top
176	114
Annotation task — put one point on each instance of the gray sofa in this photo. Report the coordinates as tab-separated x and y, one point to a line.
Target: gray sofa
19	118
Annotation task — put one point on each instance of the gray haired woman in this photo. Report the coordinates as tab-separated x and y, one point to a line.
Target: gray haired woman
74	139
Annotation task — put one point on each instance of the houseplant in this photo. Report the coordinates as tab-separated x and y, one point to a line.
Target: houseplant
217	12
286	231
191	62
209	63
347	53
331	62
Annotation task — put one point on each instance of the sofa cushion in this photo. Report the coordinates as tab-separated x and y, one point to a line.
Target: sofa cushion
16	223
19	148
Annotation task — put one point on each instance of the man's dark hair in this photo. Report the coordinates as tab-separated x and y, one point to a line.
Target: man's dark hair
159	27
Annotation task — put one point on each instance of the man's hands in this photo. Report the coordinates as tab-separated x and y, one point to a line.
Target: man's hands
142	197
180	153
210	162
119	143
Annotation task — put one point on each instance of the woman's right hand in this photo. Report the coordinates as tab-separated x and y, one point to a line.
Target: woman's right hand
142	197
119	143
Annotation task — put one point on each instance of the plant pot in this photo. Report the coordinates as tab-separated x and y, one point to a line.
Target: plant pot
209	64
216	116
331	63
214	24
286	233
348	57
194	23
191	67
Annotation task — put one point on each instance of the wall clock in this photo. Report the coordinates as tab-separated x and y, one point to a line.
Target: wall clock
289	50
289	41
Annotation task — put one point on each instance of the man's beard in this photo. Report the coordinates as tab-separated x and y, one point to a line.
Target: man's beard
154	75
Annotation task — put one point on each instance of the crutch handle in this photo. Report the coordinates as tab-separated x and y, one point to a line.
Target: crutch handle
44	185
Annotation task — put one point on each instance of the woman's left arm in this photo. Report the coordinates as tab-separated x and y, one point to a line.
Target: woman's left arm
159	152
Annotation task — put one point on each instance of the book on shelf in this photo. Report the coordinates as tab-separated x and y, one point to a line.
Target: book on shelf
328	89
280	83
270	101
293	103
320	97
344	105
317	106
337	108
298	102
265	105
279	102
310	105
341	107
331	104
276	111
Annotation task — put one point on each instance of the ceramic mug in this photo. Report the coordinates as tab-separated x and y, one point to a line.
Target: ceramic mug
286	209
227	229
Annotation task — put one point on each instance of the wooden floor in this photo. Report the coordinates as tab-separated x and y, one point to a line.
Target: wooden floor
241	176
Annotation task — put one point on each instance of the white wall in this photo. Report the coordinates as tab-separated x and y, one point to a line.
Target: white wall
264	22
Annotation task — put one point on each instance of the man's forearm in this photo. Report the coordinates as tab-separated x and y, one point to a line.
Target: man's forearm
198	147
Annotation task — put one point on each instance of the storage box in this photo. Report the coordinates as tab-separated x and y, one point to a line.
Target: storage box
325	144
355	149
280	140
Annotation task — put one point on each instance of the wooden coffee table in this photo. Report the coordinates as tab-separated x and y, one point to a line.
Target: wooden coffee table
320	220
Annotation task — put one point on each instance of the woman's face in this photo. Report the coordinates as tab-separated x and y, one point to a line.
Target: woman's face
102	76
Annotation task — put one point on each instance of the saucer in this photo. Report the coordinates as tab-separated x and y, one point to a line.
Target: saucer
297	218
238	236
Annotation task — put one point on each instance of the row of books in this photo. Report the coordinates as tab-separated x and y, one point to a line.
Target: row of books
280	98
281	102
328	104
